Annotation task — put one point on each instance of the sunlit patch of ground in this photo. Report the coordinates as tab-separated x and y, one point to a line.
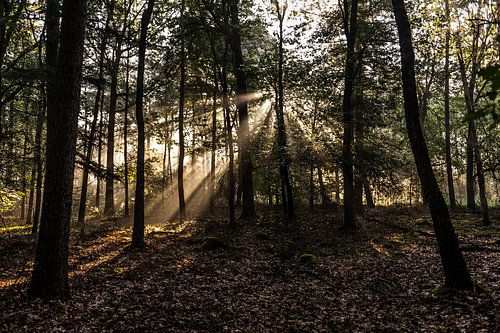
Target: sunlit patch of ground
256	279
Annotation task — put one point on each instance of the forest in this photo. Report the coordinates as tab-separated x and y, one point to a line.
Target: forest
249	166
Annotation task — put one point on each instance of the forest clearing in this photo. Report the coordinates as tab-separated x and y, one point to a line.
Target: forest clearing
249	166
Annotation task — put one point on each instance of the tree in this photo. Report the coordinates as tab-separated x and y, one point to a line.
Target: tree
455	269
283	157
245	158
50	274
138	230
182	97
350	30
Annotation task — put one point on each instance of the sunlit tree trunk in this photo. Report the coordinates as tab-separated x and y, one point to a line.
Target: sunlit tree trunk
182	97
368	194
211	186
245	160
350	30
454	267
138	228
50	274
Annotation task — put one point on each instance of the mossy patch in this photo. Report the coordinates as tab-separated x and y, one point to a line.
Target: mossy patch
307	258
212	243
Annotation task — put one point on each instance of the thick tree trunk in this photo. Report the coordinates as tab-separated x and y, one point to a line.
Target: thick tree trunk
182	97
245	159
138	229
455	269
350	28
50	273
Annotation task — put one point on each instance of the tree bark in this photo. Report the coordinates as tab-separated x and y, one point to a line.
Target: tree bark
245	159
350	29
280	119
50	274
454	267
447	126
138	228
182	97
93	127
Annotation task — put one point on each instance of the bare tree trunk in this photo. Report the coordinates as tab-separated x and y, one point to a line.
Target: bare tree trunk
182	97
138	228
454	267
245	159
93	127
350	29
447	126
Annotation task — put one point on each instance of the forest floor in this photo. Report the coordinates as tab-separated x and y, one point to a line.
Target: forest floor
260	277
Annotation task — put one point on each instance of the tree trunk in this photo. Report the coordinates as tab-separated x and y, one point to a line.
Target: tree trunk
368	194
447	126
126	212
99	154
109	201
280	119
138	229
93	127
182	97
472	141
50	274
471	201
245	159
350	28
455	269
229	131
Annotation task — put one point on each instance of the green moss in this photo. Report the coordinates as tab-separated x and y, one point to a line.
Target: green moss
307	258
212	243
442	290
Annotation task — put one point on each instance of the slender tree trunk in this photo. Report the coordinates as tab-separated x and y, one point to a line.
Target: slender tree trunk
109	201
50	273
93	127
125	135
454	267
325	200
447	126
99	154
211	187
282	137
229	131
350	28
245	159
368	194
469	153
182	97
138	229
472	141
